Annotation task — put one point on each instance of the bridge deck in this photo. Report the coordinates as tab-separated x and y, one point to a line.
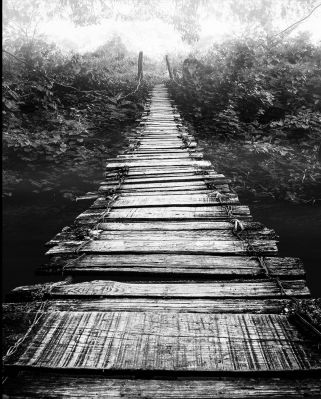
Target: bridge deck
191	300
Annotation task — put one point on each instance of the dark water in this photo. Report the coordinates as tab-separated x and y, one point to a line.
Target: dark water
31	221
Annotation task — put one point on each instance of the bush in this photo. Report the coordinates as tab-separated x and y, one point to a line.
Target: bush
269	101
59	112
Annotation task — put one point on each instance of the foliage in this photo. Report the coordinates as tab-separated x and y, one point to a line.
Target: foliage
256	16
268	99
61	112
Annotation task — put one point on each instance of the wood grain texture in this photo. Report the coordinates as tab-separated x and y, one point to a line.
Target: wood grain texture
169	235
158	162
169	213
176	212
54	385
216	289
187	264
180	305
136	245
147	341
212	178
151	225
160	200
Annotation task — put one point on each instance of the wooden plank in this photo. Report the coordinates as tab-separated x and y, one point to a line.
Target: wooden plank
165	146
160	185
54	385
169	200
197	342
172	225
168	175
137	156
183	239
156	151
177	305
213	178
184	235
178	212
184	230
136	245
157	163
224	189
167	171
205	289
165	190
172	264
171	213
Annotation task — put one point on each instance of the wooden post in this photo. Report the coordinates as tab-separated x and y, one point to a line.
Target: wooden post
140	65
169	67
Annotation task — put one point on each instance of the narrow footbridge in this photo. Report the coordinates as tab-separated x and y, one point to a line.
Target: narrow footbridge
175	292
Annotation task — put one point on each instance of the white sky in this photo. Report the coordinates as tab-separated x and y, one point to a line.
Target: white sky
154	37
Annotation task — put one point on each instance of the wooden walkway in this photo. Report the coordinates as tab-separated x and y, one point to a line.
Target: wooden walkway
191	300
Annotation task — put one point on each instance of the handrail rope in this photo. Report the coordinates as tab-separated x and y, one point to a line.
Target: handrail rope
133	92
238	230
45	292
94	232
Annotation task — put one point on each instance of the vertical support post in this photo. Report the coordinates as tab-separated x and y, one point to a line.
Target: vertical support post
140	65
169	67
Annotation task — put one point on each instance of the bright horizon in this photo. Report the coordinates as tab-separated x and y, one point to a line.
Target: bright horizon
155	37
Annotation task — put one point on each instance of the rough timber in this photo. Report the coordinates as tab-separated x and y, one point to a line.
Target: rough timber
183	308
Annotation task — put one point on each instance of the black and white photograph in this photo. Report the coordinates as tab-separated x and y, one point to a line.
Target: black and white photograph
161	192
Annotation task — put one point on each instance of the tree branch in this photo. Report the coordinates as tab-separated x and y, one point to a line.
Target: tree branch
295	24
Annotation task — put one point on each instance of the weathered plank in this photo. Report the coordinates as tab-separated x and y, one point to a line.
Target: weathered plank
157	163
185	235
173	265
138	156
181	246
169	200
142	176
164	235
166	179
172	225
177	305
165	170
54	385
205	289
166	341
182	212
158	185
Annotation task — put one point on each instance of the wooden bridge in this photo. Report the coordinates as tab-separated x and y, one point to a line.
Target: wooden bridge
192	301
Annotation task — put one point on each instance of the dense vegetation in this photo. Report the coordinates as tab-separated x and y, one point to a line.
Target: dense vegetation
260	106
256	100
60	112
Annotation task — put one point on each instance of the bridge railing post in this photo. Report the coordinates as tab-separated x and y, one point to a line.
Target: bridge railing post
140	66
169	68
